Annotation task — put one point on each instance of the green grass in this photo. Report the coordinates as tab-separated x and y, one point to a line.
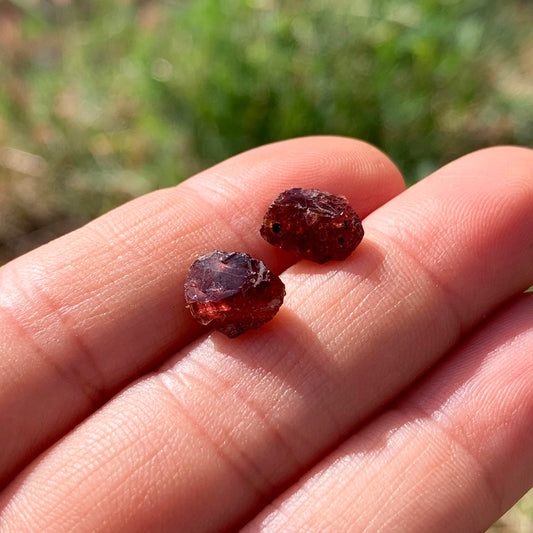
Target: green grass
108	100
103	101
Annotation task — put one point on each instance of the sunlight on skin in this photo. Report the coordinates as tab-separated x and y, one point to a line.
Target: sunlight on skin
226	425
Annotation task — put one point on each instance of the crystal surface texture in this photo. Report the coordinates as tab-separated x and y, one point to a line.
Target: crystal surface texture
313	224
232	292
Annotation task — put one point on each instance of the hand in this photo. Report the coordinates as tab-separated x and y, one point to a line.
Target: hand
392	392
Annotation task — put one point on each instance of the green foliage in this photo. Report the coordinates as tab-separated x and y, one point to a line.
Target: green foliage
122	97
118	98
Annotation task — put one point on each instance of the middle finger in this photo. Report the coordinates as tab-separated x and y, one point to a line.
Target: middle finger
209	439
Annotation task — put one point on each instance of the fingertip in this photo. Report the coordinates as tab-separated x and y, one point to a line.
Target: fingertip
499	161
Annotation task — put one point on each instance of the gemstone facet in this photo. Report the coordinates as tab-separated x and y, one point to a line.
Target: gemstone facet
232	292
316	225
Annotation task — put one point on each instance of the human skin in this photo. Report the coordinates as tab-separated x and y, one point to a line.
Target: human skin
392	392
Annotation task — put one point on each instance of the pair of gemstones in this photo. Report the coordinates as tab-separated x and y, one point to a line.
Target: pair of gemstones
234	292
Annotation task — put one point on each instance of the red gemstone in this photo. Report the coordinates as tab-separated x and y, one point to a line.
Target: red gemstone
232	292
315	225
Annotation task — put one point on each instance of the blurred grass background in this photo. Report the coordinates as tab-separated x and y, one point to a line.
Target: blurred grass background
102	101
105	100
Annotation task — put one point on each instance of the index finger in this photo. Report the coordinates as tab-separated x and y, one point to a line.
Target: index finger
87	313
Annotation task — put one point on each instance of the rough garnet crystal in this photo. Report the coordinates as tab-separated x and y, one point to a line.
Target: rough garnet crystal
232	292
314	224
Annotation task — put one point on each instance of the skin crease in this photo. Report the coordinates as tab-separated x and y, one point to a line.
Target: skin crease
427	438
88	313
226	427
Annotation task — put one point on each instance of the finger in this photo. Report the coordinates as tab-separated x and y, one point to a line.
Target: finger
88	312
451	456
236	420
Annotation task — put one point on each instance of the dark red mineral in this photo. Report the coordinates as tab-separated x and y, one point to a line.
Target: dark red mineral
315	225
232	292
